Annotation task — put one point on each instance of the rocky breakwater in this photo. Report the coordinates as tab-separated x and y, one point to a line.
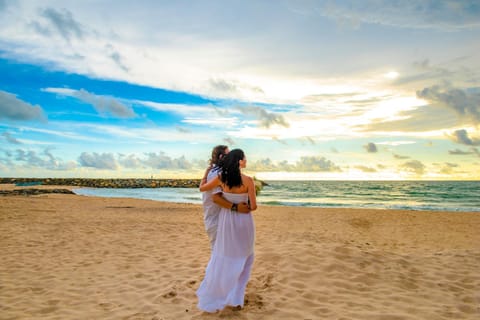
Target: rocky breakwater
32	192
105	183
114	183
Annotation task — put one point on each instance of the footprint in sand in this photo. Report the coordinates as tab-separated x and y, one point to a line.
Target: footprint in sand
254	300
170	294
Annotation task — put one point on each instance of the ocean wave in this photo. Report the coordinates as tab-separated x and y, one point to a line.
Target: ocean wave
459	196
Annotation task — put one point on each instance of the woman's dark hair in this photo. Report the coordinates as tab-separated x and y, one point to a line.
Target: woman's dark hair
231	174
217	155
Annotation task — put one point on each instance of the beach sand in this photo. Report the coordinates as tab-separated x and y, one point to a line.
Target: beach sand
76	257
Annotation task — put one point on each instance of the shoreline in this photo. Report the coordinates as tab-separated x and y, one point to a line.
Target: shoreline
70	256
28	190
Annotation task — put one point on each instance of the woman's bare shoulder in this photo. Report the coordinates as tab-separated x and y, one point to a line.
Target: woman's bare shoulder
246	179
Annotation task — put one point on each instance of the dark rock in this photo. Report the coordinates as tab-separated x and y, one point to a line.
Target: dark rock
32	192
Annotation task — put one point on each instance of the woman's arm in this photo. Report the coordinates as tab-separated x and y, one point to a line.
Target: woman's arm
252	196
205	175
210	185
224	203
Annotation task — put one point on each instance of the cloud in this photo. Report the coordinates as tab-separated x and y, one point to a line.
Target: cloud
10	138
105	104
465	102
371	147
421	119
229	141
424	72
397	156
308	139
223	87
414	166
102	104
45	160
430	14
448	167
162	161
264	165
316	164
117	58
461	137
98	161
182	129
458	152
158	160
396	143
62	22
13	108
267	119
304	164
285	143
366	169
130	161
7	160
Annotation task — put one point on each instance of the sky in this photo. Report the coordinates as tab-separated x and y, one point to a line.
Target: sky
345	90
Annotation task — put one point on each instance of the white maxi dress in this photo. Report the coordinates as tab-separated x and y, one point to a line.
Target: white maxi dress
228	270
210	208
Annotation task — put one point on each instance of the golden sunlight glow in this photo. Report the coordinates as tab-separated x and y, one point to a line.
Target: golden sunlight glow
277	90
392	75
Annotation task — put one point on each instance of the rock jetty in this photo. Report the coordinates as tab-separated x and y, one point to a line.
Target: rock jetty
105	183
32	192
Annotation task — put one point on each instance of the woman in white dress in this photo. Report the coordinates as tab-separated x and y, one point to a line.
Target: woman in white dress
228	270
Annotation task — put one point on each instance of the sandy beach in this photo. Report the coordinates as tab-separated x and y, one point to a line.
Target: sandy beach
76	257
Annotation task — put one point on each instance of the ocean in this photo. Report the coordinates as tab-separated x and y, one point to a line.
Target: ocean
461	196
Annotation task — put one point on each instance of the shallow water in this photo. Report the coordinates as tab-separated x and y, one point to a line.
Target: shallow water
412	195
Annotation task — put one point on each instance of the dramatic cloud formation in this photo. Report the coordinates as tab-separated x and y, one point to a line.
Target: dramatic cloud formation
466	103
132	90
461	136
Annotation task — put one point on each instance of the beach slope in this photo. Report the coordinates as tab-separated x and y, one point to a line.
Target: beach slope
73	257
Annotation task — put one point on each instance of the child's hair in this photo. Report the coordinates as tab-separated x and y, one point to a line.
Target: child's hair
231	175
217	155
